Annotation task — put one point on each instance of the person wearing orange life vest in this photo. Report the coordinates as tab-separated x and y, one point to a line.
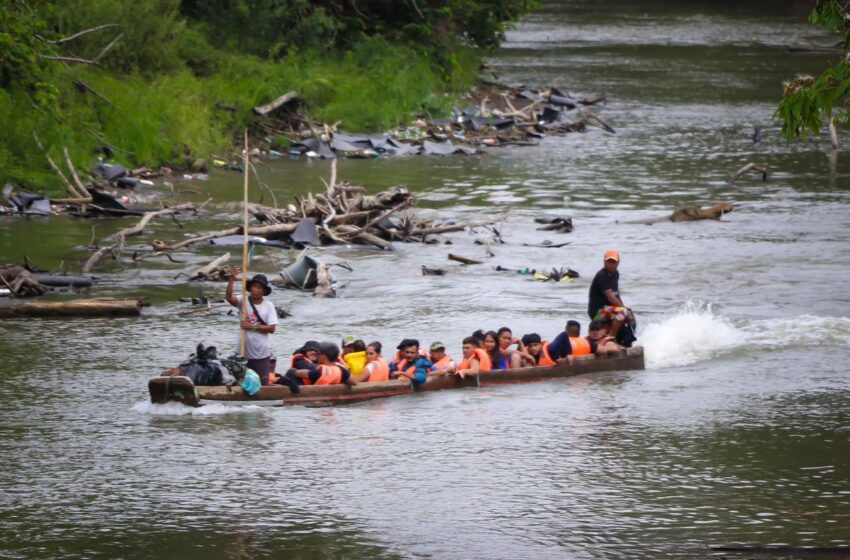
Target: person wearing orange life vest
442	362
597	336
475	359
508	357
538	350
377	369
579	345
413	365
328	372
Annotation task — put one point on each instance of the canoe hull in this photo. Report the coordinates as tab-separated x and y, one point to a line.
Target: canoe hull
181	389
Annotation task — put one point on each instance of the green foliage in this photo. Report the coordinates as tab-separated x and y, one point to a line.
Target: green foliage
808	101
22	62
372	65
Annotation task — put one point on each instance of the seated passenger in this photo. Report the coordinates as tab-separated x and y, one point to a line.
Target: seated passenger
355	358
475	359
443	363
510	357
580	346
560	348
598	337
328	371
377	369
538	350
412	365
490	345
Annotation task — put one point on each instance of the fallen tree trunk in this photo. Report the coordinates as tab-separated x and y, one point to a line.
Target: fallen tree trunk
423	231
462	259
73	308
207	272
264	110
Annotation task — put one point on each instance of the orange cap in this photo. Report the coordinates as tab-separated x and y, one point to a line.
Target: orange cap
612	255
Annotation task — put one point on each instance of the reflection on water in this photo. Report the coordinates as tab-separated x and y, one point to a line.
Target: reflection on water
732	435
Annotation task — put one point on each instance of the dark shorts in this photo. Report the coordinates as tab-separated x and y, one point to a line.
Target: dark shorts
262	366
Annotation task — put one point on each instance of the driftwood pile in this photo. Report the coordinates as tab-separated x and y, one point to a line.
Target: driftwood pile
21	282
343	214
495	115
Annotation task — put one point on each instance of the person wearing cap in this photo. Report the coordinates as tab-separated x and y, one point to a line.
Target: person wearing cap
259	322
413	365
328	372
604	300
442	362
603	343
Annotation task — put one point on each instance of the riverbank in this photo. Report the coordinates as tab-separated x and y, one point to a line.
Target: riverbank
146	84
178	119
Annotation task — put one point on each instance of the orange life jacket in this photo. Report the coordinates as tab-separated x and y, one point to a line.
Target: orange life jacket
295	357
380	371
331	375
444	363
545	359
484	363
292	365
581	347
401	367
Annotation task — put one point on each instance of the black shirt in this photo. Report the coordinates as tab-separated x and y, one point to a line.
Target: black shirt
602	282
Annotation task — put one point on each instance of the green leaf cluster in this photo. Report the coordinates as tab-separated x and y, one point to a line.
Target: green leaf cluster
808	101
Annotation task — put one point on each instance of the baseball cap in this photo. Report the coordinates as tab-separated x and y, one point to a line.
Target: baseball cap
612	255
348	340
437	346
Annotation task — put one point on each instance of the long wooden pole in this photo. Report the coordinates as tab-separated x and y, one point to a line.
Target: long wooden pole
245	294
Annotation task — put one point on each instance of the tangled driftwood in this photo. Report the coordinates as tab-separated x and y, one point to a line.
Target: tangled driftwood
116	241
342	214
21	282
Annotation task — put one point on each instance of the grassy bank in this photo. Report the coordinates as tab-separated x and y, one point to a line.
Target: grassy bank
167	118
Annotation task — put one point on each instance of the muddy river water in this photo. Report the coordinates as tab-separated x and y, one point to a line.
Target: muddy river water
731	435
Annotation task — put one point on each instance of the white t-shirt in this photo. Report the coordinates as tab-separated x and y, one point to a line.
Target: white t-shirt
257	344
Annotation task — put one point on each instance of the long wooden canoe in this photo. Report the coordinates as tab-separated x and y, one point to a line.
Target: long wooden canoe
181	389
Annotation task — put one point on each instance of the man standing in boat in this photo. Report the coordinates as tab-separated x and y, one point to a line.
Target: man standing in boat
260	321
604	302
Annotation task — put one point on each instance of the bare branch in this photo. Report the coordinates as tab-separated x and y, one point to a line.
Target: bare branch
79	34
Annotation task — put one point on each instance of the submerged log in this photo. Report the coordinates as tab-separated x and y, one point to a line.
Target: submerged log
463	260
746	169
690	214
211	271
101	307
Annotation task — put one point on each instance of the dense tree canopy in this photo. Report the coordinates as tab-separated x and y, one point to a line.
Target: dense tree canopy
809	102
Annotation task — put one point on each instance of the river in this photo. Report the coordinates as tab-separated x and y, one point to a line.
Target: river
731	435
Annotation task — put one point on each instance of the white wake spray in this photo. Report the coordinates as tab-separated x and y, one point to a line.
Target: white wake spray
697	333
